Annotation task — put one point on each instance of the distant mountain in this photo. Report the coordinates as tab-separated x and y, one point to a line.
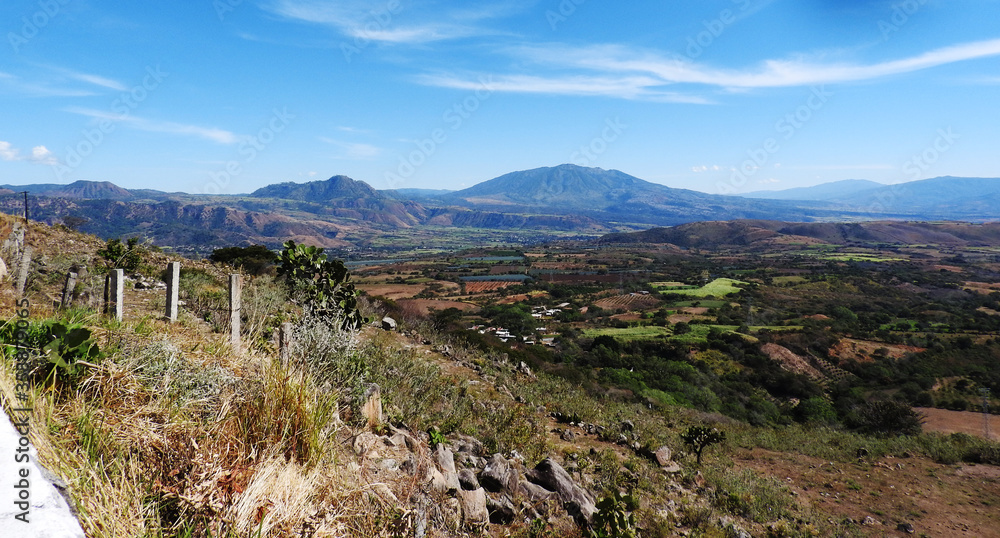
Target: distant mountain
335	188
824	191
611	195
768	233
341	196
952	198
91	190
415	194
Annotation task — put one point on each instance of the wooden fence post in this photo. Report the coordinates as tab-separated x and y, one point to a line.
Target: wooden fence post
285	342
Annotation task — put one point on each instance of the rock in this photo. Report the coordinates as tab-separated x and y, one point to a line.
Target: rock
474	510
365	443
467	479
869	521
627	426
501	510
471	445
578	501
436	481
410	465
388	324
905	527
672	467
385	493
498	475
534	492
372	409
445	459
524	369
389	464
699	480
662	456
566	435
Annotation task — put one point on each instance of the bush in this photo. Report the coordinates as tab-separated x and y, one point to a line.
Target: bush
322	285
887	418
118	255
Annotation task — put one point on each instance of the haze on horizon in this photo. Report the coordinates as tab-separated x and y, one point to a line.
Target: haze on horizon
722	96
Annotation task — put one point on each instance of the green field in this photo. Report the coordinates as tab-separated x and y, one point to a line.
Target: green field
631	333
719	287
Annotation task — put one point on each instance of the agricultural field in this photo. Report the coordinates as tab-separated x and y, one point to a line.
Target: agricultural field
719	287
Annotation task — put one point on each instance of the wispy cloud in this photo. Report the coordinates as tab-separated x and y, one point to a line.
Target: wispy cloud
374	22
89	78
213	134
39	154
54	81
631	73
631	87
354	150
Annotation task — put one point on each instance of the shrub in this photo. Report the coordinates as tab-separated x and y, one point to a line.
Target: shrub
322	285
118	255
699	437
887	418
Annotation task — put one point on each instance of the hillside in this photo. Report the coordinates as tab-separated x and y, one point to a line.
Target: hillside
175	433
765	234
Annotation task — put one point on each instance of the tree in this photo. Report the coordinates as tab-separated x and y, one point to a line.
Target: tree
322	285
255	259
699	437
888	417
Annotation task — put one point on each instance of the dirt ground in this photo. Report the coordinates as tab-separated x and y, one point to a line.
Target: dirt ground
862	350
945	421
937	500
424	306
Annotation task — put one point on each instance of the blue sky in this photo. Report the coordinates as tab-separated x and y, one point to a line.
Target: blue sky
722	96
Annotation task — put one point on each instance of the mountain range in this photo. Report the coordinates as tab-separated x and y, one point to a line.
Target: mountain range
340	211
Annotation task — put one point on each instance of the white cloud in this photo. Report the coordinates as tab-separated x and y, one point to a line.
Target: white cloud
42	155
354	150
374	22
632	87
39	154
768	181
213	134
8	153
631	73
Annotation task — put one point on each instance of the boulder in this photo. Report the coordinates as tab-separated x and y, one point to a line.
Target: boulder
501	510
662	456
474	509
498	476
534	492
579	502
467	479
388	324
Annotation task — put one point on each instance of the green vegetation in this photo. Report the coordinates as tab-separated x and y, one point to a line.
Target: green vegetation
118	255
698	438
323	286
719	287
